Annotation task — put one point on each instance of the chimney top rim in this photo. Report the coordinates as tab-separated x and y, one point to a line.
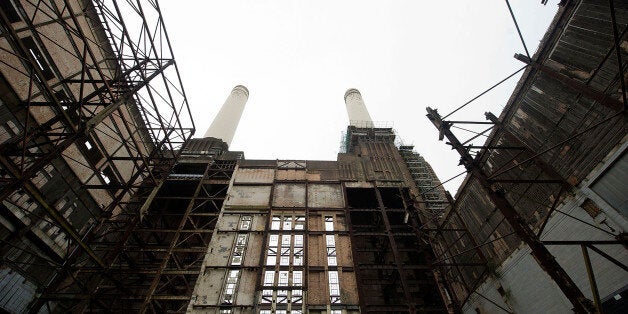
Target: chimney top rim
351	91
241	88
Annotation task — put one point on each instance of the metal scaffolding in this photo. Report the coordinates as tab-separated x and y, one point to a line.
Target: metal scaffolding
96	106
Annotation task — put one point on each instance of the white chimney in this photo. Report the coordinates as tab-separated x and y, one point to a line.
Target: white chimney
358	115
226	122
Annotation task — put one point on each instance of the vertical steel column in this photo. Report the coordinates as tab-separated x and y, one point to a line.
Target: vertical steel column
395	251
591	275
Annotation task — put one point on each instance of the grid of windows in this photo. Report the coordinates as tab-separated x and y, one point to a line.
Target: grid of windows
332	260
283	279
287	223
238	250
237	258
228	295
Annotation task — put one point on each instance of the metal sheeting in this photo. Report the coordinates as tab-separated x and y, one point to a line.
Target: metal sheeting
289	195
325	195
248	196
612	187
253	175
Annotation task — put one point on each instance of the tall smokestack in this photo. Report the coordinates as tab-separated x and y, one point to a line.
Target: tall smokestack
358	115
226	122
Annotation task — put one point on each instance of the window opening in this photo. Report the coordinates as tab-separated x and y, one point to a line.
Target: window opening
283	278
267	296
297	296
229	291
334	287
245	222
329	223
287	223
299	223
282	296
238	250
269	278
275	224
34	51
271	256
298	250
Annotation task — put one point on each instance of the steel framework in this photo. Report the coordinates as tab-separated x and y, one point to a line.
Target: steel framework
520	175
97	102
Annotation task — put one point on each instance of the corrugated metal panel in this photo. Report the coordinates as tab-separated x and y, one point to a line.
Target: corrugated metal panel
248	196
325	195
253	175
289	195
18	292
612	186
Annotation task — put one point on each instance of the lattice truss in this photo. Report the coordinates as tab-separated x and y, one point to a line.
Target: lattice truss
93	111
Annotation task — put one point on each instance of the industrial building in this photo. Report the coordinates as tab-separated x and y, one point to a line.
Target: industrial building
108	203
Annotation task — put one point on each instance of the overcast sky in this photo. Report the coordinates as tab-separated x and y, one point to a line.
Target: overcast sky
297	58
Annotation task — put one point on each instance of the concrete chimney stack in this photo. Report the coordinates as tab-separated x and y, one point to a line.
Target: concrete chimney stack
358	115
226	122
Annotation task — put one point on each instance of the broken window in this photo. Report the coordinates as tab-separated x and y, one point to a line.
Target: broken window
238	250
271	256
228	295
267	296
329	223
41	62
245	222
299	223
282	296
298	250
331	256
334	287
297	296
331	250
287	223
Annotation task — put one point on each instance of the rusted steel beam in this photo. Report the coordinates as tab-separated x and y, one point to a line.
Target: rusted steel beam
580	87
81	133
616	43
511	137
393	245
608	257
591	276
545	259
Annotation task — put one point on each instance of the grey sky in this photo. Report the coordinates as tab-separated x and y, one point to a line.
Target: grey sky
297	59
